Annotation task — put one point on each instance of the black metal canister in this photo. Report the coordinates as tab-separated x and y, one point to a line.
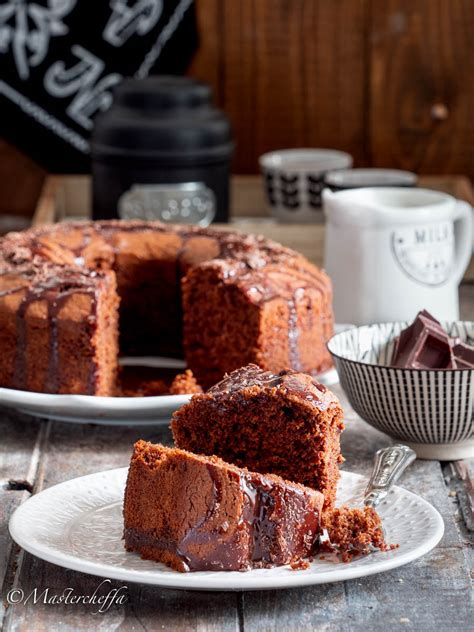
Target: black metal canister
162	151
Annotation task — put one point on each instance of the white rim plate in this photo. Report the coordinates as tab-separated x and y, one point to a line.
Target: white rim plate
78	525
87	409
115	411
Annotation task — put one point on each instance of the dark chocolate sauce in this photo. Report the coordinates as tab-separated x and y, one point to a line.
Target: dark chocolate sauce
250	375
19	379
53	364
257	516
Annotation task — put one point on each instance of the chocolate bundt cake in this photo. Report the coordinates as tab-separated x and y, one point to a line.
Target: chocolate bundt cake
196	513
243	299
286	423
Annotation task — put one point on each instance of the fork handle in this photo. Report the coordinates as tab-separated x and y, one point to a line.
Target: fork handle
389	465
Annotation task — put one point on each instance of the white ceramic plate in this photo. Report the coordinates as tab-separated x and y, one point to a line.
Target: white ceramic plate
78	525
88	409
115	411
144	411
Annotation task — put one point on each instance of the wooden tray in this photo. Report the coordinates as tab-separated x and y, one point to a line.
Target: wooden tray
65	198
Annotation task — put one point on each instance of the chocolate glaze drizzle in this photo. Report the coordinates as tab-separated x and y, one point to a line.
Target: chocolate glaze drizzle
262	287
55	290
257	516
290	381
197	534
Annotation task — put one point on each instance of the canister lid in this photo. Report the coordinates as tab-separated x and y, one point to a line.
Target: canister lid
166	118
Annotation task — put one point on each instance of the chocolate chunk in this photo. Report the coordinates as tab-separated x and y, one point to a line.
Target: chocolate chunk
463	356
425	345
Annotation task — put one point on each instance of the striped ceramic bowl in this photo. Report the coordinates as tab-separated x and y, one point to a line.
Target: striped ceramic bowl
431	410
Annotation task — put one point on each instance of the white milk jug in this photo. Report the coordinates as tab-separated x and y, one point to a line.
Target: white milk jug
394	251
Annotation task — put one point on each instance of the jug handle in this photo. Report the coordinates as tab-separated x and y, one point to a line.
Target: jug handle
463	232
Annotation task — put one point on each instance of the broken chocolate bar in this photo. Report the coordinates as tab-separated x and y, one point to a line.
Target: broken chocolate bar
463	356
425	345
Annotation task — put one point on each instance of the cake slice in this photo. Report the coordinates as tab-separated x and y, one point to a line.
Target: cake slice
286	424
197	513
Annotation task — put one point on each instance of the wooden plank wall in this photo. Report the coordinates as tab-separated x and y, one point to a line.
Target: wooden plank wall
389	82
421	89
288	73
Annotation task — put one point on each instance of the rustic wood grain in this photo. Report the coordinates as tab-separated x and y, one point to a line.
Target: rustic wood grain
147	608
420	96
293	75
20	453
431	594
208	60
455	488
21	180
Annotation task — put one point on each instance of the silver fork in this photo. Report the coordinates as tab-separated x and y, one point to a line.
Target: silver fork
389	465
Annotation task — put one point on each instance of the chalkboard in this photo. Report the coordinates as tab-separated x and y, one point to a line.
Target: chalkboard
61	59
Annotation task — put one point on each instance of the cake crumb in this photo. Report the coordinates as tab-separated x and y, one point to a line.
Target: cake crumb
149	388
404	620
299	565
354	531
144	381
184	384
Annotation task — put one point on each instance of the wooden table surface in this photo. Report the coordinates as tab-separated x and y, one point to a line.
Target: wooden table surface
432	593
